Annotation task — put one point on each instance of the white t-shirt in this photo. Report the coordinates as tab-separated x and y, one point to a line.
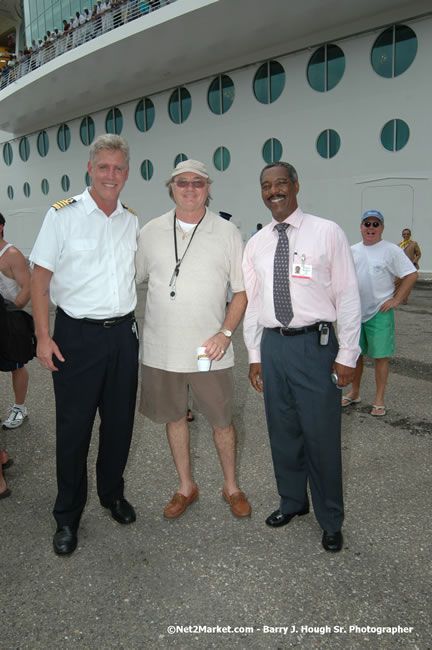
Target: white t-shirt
377	266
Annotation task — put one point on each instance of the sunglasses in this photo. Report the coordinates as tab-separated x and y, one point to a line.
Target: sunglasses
198	183
368	224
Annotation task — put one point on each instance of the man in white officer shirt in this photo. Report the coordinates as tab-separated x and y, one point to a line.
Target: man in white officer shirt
84	260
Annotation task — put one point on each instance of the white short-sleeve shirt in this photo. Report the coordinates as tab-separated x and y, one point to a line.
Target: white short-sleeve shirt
91	256
377	266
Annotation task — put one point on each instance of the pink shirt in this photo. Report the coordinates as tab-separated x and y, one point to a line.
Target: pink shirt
330	294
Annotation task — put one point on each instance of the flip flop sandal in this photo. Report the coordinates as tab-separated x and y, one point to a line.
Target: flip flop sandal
350	400
380	408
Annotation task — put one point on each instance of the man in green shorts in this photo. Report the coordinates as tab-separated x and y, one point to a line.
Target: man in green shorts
378	263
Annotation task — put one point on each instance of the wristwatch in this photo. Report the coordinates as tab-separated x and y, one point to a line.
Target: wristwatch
227	333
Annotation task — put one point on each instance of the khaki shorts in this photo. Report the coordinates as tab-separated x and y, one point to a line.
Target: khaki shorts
164	395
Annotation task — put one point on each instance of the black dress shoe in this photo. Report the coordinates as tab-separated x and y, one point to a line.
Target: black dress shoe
332	542
278	518
122	511
65	540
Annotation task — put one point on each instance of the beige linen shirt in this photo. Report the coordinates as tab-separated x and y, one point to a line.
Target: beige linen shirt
173	329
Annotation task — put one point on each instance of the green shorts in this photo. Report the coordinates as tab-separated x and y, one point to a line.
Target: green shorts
377	336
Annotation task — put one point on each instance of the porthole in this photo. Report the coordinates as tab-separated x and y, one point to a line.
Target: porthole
114	121
147	170
7	153
10	192
269	82
221	158
26	189
220	94
43	143
180	105
272	150
24	149
328	143
179	158
394	135
87	179
394	51
326	68
65	183
63	137
87	130
45	186
144	114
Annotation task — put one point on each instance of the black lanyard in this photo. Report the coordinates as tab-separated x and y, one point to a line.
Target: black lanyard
176	271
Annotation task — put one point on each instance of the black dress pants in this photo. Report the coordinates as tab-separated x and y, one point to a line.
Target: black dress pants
100	373
303	411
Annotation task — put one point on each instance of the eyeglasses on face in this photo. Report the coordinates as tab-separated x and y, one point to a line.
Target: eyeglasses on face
197	183
368	224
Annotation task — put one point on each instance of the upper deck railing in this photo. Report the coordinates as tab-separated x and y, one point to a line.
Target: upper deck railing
121	13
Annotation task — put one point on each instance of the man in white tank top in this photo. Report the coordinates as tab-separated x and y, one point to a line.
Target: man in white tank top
14	286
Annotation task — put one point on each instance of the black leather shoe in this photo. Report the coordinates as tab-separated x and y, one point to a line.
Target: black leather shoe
278	518
122	511
65	540
332	542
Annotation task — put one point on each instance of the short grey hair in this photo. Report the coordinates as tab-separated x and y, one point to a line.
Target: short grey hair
111	142
292	173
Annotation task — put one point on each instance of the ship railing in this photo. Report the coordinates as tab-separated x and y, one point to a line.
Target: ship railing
119	14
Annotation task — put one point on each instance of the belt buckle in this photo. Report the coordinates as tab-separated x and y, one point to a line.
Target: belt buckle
109	323
282	330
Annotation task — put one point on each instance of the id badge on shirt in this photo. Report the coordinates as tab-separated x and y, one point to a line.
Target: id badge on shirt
302	270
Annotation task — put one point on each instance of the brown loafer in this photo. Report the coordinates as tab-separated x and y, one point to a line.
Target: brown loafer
179	503
238	502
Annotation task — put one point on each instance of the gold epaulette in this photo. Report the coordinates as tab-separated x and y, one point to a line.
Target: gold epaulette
126	207
63	203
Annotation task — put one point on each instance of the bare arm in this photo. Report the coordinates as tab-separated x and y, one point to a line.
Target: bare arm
46	347
19	271
404	288
217	344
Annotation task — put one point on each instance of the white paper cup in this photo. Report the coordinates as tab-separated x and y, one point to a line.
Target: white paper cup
203	362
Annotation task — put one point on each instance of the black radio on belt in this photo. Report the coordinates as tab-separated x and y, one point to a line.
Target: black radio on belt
324	330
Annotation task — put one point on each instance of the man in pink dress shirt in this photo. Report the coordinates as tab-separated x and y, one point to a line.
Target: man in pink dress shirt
300	365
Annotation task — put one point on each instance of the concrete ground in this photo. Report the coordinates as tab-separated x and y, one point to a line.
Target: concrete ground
126	585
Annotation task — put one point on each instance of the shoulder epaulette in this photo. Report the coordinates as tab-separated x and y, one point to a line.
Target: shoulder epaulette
126	207
63	203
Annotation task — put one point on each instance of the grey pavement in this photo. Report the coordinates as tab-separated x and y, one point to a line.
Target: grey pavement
125	585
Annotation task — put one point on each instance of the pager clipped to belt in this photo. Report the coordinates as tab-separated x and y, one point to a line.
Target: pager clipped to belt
324	330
